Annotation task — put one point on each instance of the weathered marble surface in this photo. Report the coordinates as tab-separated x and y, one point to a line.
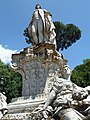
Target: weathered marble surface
66	101
70	102
38	70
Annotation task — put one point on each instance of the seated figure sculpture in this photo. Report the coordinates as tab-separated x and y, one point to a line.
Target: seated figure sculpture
58	85
71	101
66	100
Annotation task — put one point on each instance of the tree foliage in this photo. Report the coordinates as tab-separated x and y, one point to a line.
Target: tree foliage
66	35
12	81
81	74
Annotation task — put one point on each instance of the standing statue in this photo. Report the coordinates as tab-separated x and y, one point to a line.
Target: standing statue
41	28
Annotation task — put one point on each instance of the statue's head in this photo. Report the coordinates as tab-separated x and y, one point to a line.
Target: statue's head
67	69
67	72
38	6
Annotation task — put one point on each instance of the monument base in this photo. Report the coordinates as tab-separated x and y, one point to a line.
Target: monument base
21	107
39	67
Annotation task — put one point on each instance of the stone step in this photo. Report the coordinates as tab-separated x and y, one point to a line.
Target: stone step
16	116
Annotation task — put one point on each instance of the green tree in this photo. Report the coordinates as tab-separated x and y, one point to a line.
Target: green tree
81	74
66	35
12	81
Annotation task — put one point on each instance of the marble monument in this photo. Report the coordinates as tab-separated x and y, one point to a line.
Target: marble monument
47	90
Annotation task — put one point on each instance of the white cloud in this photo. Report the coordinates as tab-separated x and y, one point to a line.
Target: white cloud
5	54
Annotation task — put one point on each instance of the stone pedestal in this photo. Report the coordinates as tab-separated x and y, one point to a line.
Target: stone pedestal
39	66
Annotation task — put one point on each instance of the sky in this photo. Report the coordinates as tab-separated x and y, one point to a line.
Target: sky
15	16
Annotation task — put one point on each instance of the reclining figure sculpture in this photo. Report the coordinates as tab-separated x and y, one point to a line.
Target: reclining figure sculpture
66	101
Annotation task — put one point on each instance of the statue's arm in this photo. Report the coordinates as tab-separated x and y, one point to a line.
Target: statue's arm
48	15
76	103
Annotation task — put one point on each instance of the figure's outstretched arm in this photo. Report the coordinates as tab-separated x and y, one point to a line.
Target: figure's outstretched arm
50	99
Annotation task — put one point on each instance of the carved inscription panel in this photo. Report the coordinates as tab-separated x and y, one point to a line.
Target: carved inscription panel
34	73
